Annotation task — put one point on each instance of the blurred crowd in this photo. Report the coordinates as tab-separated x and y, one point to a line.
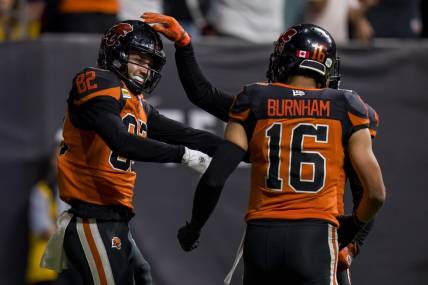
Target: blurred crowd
250	20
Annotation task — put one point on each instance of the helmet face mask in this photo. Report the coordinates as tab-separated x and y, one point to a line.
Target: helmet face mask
304	49
136	37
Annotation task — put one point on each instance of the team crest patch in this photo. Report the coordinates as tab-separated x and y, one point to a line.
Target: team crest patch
116	243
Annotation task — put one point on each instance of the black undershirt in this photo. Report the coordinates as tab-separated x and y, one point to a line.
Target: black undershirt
198	89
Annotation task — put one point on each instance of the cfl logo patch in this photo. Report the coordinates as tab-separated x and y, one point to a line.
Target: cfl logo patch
116	243
298	93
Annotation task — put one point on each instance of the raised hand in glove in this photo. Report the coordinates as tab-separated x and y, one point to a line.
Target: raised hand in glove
346	255
349	226
196	160
188	236
168	26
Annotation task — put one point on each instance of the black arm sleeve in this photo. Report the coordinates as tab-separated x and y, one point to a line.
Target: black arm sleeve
101	115
224	162
363	233
198	89
172	132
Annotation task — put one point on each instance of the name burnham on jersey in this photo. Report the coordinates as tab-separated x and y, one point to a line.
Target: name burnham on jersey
297	139
88	170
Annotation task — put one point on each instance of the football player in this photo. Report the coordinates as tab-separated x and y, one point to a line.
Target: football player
109	125
216	101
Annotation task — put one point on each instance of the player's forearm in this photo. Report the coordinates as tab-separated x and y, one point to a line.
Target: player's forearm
198	140
148	150
363	233
372	200
173	132
211	184
367	168
198	89
111	129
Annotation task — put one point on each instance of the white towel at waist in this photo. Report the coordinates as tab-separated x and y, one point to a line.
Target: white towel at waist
54	256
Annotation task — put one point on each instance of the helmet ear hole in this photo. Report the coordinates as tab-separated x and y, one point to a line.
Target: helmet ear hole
116	45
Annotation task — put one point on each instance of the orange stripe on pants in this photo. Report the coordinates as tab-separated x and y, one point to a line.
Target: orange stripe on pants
94	251
334	243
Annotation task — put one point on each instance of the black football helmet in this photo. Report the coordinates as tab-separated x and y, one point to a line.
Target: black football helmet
136	36
305	49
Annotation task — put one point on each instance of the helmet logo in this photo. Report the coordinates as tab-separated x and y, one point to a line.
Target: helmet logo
116	32
283	39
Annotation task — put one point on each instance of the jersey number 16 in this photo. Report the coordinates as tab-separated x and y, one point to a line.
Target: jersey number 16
298	158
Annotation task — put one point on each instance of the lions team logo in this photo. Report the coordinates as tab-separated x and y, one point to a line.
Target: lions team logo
116	243
283	39
116	32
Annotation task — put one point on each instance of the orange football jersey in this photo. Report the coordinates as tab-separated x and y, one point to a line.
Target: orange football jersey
297	139
88	170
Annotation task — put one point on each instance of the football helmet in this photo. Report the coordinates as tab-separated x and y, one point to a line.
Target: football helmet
305	49
138	37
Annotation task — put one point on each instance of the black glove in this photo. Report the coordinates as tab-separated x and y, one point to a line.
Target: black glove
349	226
188	236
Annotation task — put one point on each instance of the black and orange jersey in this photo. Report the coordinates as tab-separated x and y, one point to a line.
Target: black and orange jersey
105	129
89	170
297	139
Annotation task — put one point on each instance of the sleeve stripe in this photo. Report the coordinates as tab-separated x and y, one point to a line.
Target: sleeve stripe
356	120
113	92
242	116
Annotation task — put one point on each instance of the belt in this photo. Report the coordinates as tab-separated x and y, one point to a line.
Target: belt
101	212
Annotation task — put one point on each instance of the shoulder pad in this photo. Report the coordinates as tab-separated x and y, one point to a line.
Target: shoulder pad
253	87
92	82
356	107
241	104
